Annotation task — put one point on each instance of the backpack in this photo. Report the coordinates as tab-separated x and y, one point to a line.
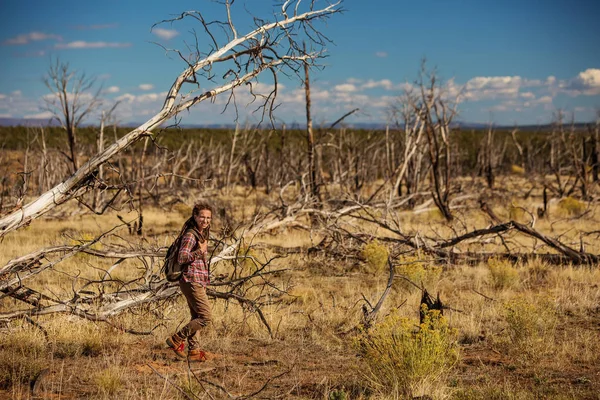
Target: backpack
172	269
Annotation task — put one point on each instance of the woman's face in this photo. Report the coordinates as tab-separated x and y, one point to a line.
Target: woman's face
203	219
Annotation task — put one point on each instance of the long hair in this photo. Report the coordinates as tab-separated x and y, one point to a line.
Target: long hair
191	223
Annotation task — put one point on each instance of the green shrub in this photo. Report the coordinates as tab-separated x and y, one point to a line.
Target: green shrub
530	327
338	394
503	274
405	360
571	206
420	272
375	255
517	170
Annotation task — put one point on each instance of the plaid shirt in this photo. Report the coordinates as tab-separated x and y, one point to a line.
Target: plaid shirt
197	270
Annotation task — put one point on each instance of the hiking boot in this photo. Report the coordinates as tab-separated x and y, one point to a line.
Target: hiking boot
196	355
177	344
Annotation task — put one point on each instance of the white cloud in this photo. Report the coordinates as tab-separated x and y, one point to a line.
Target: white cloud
492	87
407	87
136	107
320	95
40	115
351	98
148	97
166	34
532	83
544	100
493	82
590	76
383	83
113	89
5	116
346	87
2	96
143	98
381	54
262	87
527	95
523	103
146	86
80	44
80	97
31	37
17	93
126	97
383	102
586	83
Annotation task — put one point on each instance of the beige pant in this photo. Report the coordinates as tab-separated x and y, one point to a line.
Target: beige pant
195	294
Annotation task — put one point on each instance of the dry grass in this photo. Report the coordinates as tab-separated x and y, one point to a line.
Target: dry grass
525	331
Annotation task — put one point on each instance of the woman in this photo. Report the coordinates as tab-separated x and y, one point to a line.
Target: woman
193	282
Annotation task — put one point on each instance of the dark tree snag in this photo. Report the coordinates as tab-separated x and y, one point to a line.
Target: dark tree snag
543	211
430	304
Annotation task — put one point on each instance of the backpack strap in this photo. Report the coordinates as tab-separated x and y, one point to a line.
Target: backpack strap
194	232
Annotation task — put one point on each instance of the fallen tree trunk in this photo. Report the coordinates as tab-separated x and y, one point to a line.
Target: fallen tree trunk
251	54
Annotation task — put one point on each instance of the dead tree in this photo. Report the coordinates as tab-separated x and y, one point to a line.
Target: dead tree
565	157
411	136
436	111
106	119
72	100
490	156
95	299
310	139
271	46
488	160
43	177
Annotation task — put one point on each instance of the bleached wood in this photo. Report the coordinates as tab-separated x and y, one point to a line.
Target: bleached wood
77	184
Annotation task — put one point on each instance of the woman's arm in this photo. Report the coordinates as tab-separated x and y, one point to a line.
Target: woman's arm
187	254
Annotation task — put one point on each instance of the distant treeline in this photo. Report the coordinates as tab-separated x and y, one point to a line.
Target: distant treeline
528	148
564	160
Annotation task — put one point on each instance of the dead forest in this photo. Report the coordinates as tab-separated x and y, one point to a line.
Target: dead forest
354	194
324	234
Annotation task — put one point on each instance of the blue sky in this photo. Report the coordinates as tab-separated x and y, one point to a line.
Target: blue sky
516	62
